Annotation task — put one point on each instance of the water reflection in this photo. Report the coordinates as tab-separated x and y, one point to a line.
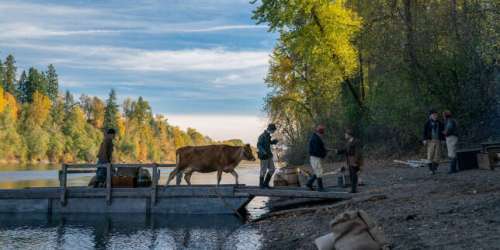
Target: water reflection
134	231
22	176
125	232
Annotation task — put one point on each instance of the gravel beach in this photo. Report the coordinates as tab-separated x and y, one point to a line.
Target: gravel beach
416	210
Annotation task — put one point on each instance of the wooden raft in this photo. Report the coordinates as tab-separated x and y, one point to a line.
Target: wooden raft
195	199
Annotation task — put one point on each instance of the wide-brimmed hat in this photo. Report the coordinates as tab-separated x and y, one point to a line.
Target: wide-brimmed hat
271	127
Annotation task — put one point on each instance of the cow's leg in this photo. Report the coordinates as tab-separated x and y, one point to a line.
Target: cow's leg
187	176
233	172
178	178
172	174
219	176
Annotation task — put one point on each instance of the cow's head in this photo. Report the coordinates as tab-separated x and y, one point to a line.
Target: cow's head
247	153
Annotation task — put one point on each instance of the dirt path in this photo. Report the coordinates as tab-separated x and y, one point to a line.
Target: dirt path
419	211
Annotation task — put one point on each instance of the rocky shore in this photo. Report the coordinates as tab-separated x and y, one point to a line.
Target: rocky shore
416	210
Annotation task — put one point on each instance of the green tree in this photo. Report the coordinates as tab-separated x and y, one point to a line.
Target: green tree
35	82
111	113
69	102
2	74
22	88
52	83
9	77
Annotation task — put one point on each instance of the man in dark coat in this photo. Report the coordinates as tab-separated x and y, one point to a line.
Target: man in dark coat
104	156
352	151
317	152
433	136
450	132
266	156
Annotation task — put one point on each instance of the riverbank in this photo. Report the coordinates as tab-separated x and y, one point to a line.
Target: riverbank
415	209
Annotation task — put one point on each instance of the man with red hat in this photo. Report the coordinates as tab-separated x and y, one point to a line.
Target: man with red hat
317	152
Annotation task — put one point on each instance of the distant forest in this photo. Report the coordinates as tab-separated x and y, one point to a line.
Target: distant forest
38	123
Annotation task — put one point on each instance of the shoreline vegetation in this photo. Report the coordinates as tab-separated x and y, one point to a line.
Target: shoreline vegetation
38	124
378	68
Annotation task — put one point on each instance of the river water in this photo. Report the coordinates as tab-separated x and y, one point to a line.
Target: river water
123	231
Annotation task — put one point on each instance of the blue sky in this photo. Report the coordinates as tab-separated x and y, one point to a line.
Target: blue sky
194	61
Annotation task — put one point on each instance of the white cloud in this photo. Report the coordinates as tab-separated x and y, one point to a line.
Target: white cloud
14	31
244	77
189	60
46	9
199	27
30	20
222	127
119	58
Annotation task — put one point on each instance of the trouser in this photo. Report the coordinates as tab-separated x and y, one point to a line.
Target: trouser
353	174
451	146
100	174
433	154
266	172
317	166
434	151
266	167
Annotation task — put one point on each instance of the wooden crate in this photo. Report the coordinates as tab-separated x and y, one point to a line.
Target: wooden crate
483	161
123	181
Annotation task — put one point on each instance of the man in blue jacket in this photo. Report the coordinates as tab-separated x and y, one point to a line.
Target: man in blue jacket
266	156
317	152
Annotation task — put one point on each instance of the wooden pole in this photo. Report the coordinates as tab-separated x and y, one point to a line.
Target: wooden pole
108	183
63	184
154	182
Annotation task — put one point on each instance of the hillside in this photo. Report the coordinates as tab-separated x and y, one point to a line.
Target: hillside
38	123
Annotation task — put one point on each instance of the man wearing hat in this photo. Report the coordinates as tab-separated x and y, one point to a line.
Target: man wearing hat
317	152
352	151
266	156
433	135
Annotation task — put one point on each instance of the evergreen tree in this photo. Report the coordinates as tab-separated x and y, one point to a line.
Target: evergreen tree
69	102
2	73
142	111
36	82
22	88
10	74
111	114
52	83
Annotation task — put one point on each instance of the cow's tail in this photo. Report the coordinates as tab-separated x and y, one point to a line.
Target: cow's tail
177	159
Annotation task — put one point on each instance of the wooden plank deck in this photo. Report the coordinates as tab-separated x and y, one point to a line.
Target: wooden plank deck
292	193
172	191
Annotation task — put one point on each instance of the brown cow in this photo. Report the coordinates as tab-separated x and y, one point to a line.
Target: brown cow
210	158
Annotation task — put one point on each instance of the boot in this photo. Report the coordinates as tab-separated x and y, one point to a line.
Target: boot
320	185
267	180
354	183
432	167
261	181
453	166
310	182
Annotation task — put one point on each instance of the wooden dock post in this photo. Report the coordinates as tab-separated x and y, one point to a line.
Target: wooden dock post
154	183
108	183
63	184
